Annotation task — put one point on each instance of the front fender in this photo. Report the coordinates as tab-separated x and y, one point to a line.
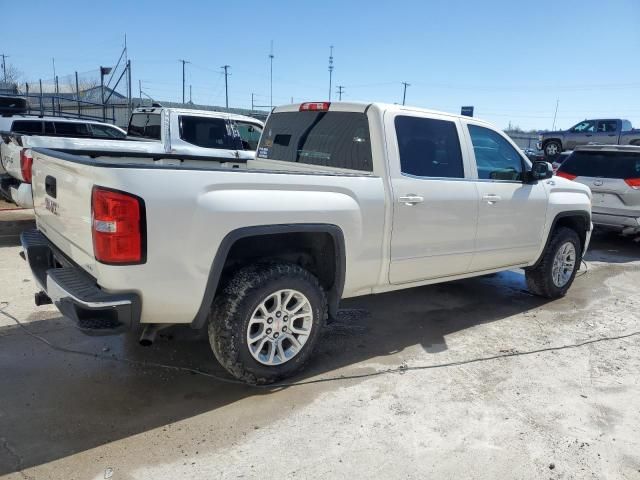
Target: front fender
566	199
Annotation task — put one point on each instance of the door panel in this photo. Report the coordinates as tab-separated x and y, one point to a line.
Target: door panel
510	223
511	214
435	207
436	236
607	132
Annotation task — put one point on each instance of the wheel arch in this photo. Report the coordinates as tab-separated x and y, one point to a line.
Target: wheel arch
308	245
577	220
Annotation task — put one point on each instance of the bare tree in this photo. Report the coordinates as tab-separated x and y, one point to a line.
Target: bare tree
11	74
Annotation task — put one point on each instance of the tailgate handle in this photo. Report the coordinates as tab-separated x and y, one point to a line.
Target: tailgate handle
50	186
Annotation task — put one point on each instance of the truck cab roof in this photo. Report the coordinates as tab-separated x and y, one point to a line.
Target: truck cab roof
364	106
198	113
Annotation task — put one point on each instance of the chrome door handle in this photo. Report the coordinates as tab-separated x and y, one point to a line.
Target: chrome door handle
491	198
411	199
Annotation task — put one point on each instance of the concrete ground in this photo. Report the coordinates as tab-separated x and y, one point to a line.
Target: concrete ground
561	413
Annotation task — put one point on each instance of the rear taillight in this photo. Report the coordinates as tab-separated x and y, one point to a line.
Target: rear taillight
26	165
566	175
633	183
117	227
315	107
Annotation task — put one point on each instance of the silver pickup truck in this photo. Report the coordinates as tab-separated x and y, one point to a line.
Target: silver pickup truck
601	131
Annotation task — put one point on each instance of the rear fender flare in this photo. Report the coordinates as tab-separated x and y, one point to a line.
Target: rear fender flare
335	293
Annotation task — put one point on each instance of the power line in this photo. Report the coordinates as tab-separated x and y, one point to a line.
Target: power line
226	83
270	77
184	62
330	69
404	93
4	66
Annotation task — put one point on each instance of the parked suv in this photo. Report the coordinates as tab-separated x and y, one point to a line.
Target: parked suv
613	174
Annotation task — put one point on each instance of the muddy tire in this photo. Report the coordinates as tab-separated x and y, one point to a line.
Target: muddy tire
557	269
264	325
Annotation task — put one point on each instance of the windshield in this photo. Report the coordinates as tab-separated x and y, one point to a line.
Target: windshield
332	139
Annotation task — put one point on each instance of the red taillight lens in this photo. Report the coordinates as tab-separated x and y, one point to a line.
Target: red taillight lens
633	183
566	175
117	227
26	165
315	107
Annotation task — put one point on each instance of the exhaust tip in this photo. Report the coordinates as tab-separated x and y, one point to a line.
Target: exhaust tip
148	335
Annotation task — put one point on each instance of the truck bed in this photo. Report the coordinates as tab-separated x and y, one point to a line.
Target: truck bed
190	206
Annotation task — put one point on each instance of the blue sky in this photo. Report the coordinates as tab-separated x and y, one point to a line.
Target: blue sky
509	59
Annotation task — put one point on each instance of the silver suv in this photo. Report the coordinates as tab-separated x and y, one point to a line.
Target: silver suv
613	174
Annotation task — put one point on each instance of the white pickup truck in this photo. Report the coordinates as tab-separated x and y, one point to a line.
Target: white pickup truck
159	131
343	199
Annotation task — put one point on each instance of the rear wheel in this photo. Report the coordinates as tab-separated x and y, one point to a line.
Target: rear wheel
557	269
265	324
552	148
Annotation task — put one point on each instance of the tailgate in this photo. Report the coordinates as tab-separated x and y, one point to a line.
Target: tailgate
62	204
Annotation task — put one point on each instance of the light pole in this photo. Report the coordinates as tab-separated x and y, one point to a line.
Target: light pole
103	71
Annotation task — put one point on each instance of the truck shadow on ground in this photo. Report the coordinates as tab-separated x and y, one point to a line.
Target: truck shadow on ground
54	404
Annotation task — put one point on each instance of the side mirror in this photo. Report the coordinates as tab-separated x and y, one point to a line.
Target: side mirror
540	170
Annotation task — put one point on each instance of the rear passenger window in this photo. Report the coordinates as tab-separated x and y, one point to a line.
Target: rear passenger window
27	126
606	126
429	147
495	156
69	129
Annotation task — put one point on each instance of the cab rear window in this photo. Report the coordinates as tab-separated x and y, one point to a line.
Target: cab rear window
330	139
145	125
621	165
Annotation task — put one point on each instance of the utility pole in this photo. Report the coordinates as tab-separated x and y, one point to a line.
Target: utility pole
184	62
4	66
330	69
226	84
404	93
140	89
340	90
252	102
270	79
555	114
190	94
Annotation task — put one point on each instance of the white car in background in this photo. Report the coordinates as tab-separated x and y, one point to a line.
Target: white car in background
158	131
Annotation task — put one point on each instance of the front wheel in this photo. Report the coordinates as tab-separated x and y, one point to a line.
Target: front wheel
557	269
264	325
